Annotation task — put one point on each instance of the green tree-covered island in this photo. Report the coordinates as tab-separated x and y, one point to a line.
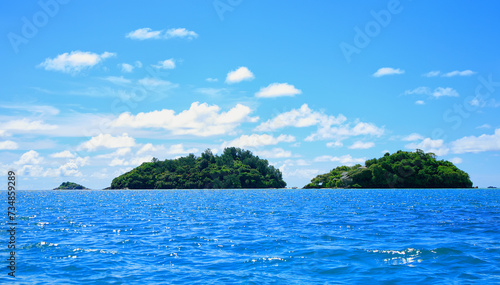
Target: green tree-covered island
234	168
70	186
398	170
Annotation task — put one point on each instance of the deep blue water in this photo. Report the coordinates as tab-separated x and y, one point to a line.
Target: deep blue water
257	237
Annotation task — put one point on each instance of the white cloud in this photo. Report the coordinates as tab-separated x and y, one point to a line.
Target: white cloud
75	61
256	140
27	125
133	162
30	157
209	79
299	118
108	141
459	73
344	131
155	82
329	127
477	144
419	90
148	33
440	92
63	154
127	68
149	147
166	64
456	160
362	145
180	33
117	153
179	149
278	90
437	92
238	75
419	102
274	153
212	91
334	144
117	79
484	126
429	145
413	137
345	159
8	145
42	110
387	71
432	73
199	120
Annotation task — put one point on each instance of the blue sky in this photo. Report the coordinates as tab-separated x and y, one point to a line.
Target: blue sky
92	89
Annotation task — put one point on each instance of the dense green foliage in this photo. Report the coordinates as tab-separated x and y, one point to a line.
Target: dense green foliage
235	168
398	170
69	186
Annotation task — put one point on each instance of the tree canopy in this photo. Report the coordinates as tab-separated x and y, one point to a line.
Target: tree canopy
69	186
234	168
398	170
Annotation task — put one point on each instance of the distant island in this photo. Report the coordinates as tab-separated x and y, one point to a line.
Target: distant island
70	186
235	168
398	170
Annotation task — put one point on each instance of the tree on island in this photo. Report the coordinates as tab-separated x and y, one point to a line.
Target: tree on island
234	168
70	186
398	170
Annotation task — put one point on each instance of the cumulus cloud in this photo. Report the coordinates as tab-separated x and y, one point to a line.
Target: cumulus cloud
256	140
327	131
27	125
148	33
456	160
127	68
419	102
278	90
362	145
238	75
199	120
437	147
299	118
387	71
477	144
274	153
334	144
63	154
344	159
210	79
8	145
75	61
413	137
107	141
30	157
329	127
165	64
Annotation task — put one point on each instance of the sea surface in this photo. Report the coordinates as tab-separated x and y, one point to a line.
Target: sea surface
445	236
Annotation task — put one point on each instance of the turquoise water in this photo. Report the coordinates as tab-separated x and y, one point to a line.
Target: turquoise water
257	237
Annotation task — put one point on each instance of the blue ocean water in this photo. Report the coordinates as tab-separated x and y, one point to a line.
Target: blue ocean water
257	237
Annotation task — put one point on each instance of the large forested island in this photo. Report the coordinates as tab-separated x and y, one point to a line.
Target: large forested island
234	168
398	170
